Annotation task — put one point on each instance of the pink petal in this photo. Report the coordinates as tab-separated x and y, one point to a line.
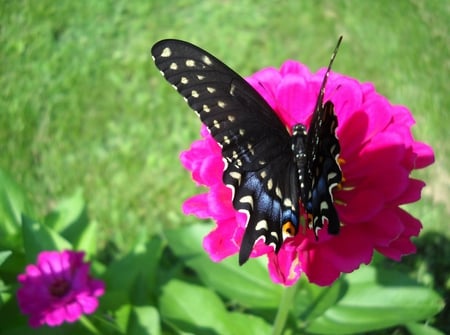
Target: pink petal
198	206
55	317
45	303
425	155
324	263
295	102
73	311
385	227
360	205
379	153
284	267
265	83
88	304
220	242
290	67
412	193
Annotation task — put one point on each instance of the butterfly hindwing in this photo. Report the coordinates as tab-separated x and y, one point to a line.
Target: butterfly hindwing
256	146
266	197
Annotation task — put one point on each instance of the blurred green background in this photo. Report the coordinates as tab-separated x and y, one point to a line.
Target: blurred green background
82	105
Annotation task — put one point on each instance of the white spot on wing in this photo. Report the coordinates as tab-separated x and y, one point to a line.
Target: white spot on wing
247	200
206	60
287	202
232	89
235	175
250	148
166	52
262	225
278	192
190	63
173	66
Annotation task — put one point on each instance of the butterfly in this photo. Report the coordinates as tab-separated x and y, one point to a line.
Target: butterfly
272	172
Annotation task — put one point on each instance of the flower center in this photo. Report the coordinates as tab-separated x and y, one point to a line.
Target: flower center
59	288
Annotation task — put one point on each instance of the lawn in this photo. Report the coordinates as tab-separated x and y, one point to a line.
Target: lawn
82	107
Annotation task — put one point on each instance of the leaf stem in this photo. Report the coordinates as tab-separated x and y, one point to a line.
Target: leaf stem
285	306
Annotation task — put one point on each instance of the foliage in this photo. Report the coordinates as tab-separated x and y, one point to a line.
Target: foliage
168	285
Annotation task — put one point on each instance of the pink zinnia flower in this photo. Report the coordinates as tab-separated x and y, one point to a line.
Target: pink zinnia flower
378	154
58	289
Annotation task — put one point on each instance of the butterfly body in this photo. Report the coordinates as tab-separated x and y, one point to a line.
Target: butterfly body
271	173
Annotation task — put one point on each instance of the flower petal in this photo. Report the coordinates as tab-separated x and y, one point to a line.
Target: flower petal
378	154
49	290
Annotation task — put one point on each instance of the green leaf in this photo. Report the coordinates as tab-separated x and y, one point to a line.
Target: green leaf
13	204
14	264
248	285
137	267
69	218
144	320
421	329
375	300
37	237
247	324
122	317
88	325
193	308
88	239
4	255
312	300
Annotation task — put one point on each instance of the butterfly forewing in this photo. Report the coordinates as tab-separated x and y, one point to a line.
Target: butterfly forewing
319	169
255	144
322	149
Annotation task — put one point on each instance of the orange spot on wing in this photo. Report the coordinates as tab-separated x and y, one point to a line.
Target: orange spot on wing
289	229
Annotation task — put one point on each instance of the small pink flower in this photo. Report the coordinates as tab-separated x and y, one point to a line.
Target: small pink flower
378	155
58	289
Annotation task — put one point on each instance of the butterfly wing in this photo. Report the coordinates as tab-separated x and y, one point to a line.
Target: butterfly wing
322	168
256	146
317	152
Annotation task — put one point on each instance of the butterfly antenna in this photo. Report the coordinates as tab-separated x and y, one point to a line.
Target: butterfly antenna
324	82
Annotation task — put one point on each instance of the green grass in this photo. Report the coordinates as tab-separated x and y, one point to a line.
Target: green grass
82	105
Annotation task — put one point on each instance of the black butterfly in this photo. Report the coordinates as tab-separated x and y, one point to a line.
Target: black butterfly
271	172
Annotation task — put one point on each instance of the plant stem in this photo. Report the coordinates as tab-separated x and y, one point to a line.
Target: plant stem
285	306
